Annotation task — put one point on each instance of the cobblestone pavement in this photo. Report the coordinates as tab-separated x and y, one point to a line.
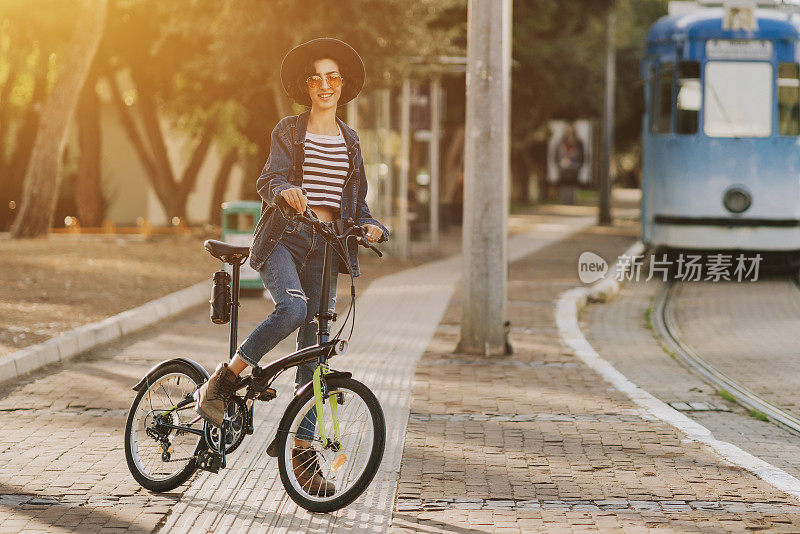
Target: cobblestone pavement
62	467
755	323
644	362
396	319
537	442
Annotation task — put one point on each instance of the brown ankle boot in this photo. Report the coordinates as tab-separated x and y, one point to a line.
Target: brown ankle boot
212	398
309	475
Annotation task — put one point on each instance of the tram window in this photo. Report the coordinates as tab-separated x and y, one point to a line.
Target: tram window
689	97
665	99
736	109
789	99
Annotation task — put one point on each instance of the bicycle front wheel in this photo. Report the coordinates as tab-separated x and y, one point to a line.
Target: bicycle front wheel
326	476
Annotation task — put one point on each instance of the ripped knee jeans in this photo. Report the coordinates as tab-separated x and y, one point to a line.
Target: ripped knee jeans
293	276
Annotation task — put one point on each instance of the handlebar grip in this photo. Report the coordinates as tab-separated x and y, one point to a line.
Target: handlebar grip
376	251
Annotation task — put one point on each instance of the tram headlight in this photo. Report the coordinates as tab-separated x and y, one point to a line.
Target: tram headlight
736	200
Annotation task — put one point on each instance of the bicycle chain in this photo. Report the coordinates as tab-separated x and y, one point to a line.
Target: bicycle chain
180	459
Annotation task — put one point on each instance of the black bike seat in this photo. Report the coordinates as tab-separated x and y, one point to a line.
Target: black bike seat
226	252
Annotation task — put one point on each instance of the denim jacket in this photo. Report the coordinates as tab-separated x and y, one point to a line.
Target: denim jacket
284	169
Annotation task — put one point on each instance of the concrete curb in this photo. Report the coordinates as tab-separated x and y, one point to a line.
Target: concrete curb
568	308
86	337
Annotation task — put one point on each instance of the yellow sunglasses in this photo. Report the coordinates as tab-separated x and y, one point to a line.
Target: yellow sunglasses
315	80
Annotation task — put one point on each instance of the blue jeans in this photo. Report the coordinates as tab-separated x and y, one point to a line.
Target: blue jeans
293	276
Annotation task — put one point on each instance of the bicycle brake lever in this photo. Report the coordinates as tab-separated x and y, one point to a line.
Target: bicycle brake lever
364	243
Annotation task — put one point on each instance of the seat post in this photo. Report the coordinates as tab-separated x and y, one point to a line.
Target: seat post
234	309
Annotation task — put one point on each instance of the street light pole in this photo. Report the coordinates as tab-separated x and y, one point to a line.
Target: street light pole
404	237
486	177
436	134
604	215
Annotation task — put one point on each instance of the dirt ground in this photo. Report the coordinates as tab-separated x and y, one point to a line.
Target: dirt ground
52	285
49	286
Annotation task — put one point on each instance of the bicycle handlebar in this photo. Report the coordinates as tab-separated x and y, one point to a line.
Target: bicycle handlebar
326	229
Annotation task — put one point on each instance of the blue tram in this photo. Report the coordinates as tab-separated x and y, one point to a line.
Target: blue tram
721	135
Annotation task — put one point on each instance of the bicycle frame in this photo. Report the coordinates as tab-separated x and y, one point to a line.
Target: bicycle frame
169	418
324	315
262	376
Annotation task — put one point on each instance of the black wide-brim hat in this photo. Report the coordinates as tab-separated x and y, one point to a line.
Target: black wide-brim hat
350	64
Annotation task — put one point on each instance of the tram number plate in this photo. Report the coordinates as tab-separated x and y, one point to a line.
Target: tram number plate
753	49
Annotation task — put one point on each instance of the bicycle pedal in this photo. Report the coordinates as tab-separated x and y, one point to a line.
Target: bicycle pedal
267	395
209	461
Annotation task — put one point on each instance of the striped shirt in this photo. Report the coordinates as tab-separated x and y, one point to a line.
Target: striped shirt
325	168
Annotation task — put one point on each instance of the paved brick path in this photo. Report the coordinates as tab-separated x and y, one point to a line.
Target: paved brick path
643	361
537	442
396	319
533	442
62	467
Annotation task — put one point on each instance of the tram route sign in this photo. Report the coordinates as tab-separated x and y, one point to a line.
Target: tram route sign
746	49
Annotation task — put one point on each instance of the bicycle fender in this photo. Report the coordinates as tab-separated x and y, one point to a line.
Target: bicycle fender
283	426
199	368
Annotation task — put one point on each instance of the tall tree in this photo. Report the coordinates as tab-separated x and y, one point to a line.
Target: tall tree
221	184
44	174
247	39
32	34
88	187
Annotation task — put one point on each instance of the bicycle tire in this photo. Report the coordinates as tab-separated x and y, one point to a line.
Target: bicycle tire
174	368
356	488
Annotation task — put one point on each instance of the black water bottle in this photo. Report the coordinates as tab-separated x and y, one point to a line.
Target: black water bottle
221	298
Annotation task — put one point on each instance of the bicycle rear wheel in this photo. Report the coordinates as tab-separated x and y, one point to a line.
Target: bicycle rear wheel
160	458
348	465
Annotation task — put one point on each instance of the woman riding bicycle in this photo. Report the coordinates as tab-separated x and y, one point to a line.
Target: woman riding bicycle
315	160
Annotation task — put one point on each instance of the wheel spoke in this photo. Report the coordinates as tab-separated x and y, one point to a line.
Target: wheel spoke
147	451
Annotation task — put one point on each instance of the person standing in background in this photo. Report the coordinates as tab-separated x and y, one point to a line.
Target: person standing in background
569	158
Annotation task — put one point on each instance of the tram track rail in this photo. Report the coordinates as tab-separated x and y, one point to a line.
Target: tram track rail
666	325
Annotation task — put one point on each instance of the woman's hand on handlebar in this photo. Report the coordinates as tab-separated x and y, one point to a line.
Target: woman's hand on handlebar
296	198
373	233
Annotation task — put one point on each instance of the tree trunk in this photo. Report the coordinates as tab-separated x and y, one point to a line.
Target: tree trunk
253	166
538	172
281	102
453	167
519	178
5	109
14	170
221	184
148	111
192	170
88	190
44	176
161	189
172	194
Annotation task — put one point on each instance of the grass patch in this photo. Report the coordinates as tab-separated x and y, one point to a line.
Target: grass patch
761	416
648	316
725	394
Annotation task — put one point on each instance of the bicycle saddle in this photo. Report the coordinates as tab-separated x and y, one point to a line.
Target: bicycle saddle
226	252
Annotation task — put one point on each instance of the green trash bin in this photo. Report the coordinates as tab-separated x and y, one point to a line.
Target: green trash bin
239	220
